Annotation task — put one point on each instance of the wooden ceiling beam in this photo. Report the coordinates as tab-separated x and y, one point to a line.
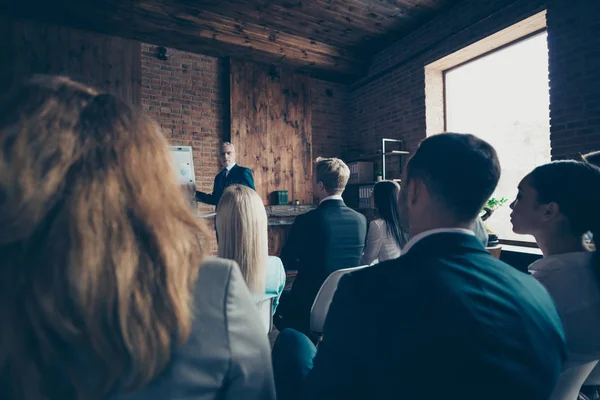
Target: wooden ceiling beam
306	22
183	26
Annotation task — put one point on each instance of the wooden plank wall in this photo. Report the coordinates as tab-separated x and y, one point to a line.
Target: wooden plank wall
271	128
105	62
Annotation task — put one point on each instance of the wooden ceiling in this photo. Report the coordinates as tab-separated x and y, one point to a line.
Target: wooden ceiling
332	39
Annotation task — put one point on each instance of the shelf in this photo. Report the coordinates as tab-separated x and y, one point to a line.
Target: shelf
377	156
372	183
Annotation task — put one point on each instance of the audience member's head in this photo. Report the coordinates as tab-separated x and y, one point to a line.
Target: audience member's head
558	200
242	225
331	177
386	195
447	181
227	154
99	249
592	158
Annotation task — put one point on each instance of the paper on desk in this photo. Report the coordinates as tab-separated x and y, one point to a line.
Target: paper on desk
208	215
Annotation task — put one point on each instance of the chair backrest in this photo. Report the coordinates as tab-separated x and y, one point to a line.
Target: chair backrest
320	306
265	310
593	378
570	381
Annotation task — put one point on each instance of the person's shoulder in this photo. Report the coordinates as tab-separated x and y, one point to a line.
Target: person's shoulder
275	263
387	284
215	266
308	216
214	275
377	223
275	268
356	213
514	283
209	330
400	268
350	212
243	169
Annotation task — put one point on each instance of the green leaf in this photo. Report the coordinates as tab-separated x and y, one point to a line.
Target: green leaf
495	203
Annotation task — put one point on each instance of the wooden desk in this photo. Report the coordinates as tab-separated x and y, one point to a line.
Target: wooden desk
281	219
278	234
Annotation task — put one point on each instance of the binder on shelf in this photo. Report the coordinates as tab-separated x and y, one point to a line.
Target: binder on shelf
360	172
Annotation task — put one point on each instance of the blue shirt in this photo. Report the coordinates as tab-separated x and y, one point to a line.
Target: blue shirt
275	280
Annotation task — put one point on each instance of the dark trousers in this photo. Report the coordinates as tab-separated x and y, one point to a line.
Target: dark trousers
589	392
290	315
293	354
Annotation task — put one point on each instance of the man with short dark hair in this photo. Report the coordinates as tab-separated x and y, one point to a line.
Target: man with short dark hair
446	319
232	174
321	241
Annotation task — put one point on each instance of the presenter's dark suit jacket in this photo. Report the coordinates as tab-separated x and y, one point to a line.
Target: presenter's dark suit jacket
326	239
237	176
444	321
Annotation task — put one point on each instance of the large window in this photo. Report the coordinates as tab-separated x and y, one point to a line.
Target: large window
503	97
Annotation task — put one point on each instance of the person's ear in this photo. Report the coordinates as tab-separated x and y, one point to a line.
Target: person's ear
551	210
414	190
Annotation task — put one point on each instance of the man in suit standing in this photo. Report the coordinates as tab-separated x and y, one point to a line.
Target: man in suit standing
446	319
232	174
320	242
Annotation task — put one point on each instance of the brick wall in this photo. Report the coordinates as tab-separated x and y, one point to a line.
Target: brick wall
390	101
331	128
574	46
186	96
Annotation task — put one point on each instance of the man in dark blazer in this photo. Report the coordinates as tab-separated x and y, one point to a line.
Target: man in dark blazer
232	174
446	319
320	242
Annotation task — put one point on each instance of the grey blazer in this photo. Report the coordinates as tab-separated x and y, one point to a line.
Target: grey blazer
227	355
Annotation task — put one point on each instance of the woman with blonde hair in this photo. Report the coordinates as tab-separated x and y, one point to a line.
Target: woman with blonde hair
243	237
102	292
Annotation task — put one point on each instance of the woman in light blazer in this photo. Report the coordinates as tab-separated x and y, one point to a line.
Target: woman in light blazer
104	289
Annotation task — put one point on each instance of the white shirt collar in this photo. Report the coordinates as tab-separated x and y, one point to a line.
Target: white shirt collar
430	232
332	197
228	168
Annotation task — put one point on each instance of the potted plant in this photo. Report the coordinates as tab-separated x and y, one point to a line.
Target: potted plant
488	209
492	205
378	175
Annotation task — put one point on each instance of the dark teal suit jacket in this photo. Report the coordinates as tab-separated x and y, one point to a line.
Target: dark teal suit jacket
237	176
444	321
326	239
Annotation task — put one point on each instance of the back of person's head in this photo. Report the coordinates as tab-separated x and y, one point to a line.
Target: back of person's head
333	173
99	249
592	158
242	226
575	187
460	172
385	196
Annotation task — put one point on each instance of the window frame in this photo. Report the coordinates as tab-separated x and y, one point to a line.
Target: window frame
480	56
511	242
